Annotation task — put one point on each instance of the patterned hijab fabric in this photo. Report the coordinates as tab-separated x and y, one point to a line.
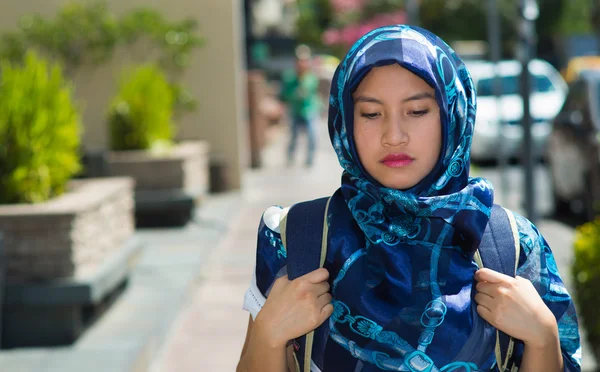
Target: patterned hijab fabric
413	277
389	216
402	260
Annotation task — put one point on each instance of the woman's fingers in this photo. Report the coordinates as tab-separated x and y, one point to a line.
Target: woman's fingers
491	276
323	300
487	288
484	300
485	313
321	288
316	276
327	311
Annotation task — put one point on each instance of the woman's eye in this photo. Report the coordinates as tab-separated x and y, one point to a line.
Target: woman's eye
371	115
418	113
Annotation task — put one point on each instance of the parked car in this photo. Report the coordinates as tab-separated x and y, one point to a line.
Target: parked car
574	149
548	94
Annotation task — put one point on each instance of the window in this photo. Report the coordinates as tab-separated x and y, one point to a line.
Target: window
511	85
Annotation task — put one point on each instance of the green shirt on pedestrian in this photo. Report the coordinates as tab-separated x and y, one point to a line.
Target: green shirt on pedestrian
301	94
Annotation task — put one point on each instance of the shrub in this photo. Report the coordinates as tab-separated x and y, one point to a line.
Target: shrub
89	33
586	272
79	34
39	131
141	115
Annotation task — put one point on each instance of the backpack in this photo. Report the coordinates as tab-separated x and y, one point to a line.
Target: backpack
304	234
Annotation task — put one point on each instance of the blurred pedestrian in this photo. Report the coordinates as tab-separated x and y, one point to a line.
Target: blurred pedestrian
300	93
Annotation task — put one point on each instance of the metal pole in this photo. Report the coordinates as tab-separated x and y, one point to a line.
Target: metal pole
412	8
529	13
249	36
596	22
495	45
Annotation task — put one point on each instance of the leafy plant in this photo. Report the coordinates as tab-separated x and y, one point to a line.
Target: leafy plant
80	34
149	36
141	115
352	18
314	17
39	131
170	44
577	17
586	272
89	33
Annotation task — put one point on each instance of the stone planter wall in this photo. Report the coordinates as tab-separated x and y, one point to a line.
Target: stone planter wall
69	236
184	168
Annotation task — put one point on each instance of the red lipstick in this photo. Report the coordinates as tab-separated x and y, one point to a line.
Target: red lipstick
397	160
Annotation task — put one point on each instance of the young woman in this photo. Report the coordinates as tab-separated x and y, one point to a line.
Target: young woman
400	289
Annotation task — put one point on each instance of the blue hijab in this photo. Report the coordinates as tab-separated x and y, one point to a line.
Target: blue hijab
461	204
406	255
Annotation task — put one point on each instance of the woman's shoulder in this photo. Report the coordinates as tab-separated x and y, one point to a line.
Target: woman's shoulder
274	217
271	255
535	250
529	235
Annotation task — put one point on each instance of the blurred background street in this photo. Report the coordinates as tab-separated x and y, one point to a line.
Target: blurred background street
140	142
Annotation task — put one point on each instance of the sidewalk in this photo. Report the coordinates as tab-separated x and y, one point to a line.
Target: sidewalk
209	332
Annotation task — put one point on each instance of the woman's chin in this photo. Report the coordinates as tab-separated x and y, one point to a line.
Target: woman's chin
398	184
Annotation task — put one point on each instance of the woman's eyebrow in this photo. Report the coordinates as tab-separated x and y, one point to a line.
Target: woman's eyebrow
367	99
416	97
419	96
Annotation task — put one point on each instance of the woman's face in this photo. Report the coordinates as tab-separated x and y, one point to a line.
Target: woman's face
397	127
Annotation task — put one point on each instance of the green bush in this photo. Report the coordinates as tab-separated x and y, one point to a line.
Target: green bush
39	131
170	43
89	33
141	115
79	34
586	272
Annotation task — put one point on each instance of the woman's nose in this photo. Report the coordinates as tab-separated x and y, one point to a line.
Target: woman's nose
394	133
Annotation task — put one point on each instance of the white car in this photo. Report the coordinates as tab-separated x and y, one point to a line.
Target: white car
548	92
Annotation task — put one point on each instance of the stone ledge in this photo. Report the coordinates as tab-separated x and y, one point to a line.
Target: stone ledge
180	151
57	312
88	289
184	166
164	208
81	196
68	236
131	334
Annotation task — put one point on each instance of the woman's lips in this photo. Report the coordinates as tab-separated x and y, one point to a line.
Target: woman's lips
397	160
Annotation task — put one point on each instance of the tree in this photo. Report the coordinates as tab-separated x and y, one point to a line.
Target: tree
315	16
323	20
576	17
87	34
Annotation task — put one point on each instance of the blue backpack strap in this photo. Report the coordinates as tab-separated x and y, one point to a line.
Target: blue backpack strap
304	235
499	251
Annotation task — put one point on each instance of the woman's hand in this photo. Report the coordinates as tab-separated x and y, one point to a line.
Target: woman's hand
294	308
513	306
